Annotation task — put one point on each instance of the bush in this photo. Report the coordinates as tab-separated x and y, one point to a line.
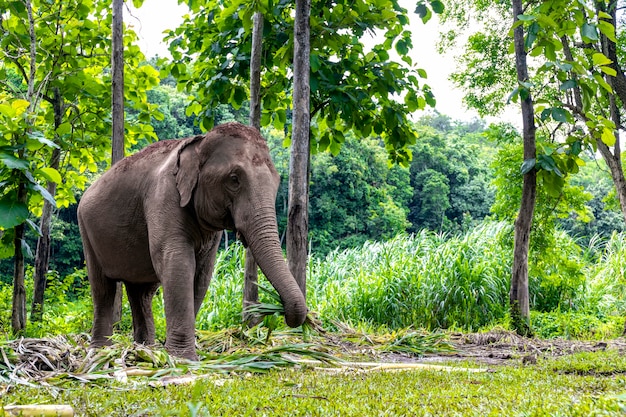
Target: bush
576	325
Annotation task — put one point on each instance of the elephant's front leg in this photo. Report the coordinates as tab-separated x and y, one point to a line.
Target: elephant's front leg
177	278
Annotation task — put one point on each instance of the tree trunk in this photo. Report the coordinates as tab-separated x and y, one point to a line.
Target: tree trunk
250	287
117	139
42	256
298	220
618	84
518	296
18	313
117	79
18	316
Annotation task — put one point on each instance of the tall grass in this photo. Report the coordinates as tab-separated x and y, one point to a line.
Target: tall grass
606	290
424	280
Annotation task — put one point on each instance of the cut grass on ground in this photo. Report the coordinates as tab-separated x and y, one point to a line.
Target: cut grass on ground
587	383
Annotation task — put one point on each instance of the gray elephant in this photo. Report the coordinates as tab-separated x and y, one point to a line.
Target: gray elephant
156	218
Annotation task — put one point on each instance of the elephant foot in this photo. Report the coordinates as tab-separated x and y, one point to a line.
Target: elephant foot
99	341
189	354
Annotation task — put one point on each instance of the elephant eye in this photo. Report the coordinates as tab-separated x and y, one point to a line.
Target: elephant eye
234	180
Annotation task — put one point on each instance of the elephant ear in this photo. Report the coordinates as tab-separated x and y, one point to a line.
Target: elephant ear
187	169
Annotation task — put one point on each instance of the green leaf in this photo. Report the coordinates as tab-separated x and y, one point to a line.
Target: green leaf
600	59
533	30
401	47
237	97
608	71
513	96
423	12
528	165
608	136
50	174
527	17
64	128
12	212
559	114
207	123
589	32
552	183
12	162
607	30
564	66
568	85
315	63
40	139
603	83
7	110
550	51
438	6
548	163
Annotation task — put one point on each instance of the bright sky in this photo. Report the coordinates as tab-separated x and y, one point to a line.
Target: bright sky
155	16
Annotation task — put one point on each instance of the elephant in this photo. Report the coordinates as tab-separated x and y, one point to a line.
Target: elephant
156	219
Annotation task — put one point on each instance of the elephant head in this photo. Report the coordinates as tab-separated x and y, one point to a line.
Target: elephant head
229	180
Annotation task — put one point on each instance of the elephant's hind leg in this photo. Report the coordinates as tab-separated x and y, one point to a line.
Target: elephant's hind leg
140	298
103	294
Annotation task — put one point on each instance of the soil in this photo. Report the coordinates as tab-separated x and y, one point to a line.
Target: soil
498	347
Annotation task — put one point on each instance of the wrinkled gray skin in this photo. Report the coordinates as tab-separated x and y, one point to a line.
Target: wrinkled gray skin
156	218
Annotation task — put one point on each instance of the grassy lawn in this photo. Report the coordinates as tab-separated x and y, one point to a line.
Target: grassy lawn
580	384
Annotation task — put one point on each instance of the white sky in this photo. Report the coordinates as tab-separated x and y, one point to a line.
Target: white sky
155	16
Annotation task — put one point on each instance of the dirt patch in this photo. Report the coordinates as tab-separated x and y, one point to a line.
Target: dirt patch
503	347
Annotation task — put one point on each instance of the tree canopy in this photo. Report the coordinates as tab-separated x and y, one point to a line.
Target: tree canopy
353	87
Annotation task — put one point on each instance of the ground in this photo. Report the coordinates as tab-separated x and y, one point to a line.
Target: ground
334	374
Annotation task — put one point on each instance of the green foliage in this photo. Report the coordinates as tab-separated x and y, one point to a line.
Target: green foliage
223	303
356	196
425	280
356	93
556	268
576	325
450	176
352	197
606	216
569	80
607	286
68	109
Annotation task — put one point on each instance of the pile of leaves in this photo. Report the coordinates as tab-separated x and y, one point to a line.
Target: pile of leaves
51	361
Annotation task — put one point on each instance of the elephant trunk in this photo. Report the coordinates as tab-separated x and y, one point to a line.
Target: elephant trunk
262	238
